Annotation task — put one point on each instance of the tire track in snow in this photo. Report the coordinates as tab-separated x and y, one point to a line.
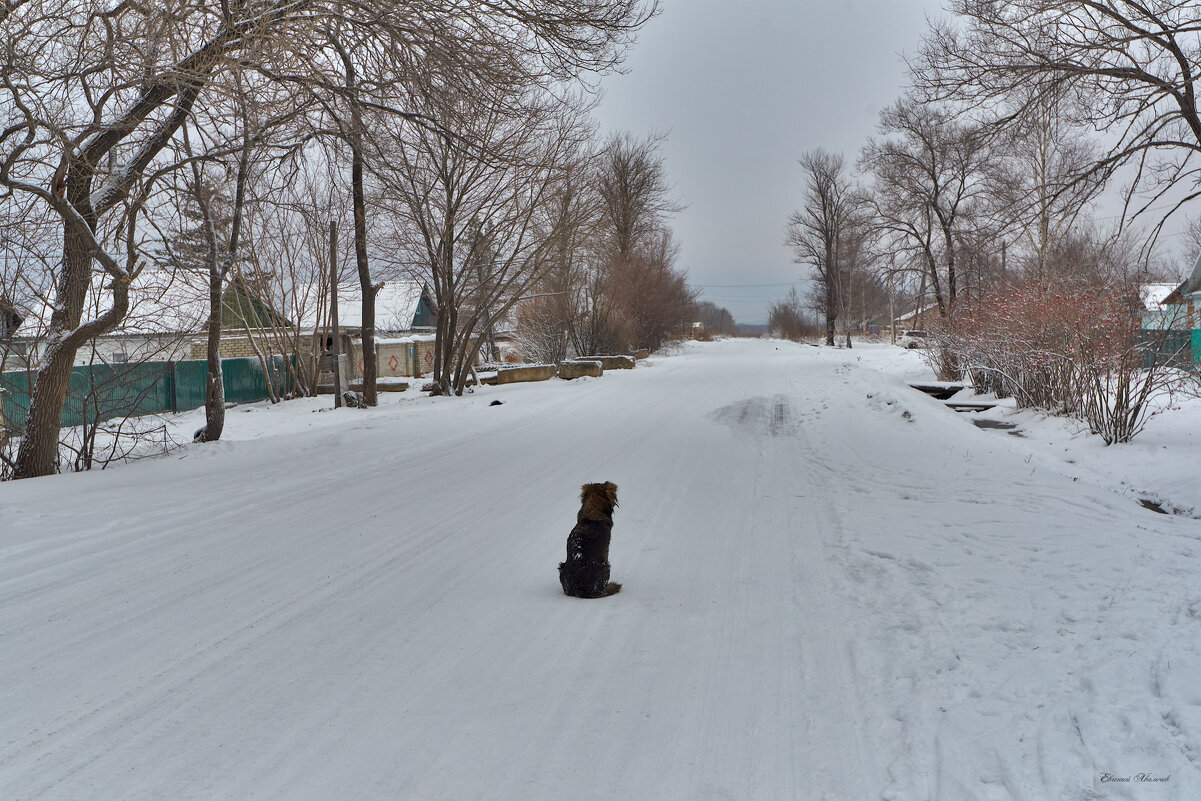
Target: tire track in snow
792	625
107	720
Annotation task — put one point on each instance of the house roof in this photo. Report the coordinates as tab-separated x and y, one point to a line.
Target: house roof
1154	295
1188	286
176	301
160	302
915	312
395	305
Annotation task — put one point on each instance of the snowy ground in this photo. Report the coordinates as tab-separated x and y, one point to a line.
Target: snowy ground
835	588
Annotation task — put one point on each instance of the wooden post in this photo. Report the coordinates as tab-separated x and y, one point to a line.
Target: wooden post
892	314
333	312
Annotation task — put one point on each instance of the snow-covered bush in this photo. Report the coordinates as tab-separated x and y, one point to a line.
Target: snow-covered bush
1069	349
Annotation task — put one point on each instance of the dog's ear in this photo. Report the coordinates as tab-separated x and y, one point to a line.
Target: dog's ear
611	494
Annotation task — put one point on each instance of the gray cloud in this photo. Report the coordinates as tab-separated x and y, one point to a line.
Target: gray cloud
743	88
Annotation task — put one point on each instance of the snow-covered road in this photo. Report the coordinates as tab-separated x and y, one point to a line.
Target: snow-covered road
835	588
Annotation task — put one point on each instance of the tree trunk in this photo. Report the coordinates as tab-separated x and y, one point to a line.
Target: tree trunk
38	453
219	270
370	369
831	317
951	277
359	204
214	382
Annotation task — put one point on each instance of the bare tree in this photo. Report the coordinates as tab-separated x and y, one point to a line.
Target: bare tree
287	247
635	202
786	318
92	94
635	195
480	218
715	318
368	68
550	316
597	327
218	170
1130	67
934	178
354	135
653	295
861	293
1051	183
220	254
90	106
816	232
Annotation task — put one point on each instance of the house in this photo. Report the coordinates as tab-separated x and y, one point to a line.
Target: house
405	318
918	318
401	307
1187	293
1171	315
1158	313
168	312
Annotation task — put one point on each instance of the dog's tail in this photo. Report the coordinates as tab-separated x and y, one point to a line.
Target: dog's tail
612	588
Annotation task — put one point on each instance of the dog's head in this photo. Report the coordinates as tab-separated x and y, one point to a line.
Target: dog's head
598	499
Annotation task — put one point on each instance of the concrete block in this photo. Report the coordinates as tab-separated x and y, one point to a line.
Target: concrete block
612	362
525	372
580	368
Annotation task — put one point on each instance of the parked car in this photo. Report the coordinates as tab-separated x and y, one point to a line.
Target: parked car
913	339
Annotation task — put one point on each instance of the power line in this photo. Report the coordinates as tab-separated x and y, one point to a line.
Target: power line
742	286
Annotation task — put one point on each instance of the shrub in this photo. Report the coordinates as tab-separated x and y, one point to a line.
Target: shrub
1068	349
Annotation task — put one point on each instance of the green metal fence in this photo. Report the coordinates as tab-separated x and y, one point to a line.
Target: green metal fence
104	391
1176	348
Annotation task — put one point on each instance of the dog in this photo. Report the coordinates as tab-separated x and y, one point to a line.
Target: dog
585	574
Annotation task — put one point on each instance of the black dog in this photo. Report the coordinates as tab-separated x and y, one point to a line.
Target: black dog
585	574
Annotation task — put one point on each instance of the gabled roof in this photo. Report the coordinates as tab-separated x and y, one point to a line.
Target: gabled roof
160	302
395	305
1187	287
915	311
1154	295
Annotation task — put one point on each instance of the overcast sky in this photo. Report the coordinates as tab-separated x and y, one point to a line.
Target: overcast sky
743	89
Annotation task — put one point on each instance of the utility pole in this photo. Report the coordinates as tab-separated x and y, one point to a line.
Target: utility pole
333	312
892	314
